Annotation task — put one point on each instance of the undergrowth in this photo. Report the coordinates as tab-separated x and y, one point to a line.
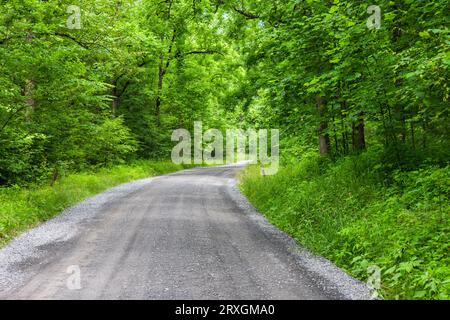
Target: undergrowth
357	215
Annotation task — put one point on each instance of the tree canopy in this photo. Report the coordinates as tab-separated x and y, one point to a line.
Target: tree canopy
88	83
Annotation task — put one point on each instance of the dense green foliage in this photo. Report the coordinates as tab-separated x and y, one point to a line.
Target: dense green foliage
344	212
373	103
108	92
316	66
135	70
25	207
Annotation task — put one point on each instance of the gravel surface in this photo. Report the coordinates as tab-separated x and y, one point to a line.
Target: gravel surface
186	235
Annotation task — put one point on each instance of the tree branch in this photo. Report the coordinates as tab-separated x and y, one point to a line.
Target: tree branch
67	36
246	14
169	52
11	116
203	52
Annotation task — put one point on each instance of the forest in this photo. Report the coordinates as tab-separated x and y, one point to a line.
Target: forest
91	91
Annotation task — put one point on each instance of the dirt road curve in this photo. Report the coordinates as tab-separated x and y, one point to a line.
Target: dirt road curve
188	235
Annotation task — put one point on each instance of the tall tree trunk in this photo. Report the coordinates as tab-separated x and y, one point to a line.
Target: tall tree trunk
324	138
385	129
344	128
358	134
29	100
403	122
424	129
28	88
163	67
115	101
336	141
161	74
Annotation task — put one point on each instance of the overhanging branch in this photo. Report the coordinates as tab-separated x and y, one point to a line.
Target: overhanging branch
246	14
203	52
67	36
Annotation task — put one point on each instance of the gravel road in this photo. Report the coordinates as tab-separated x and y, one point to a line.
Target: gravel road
187	235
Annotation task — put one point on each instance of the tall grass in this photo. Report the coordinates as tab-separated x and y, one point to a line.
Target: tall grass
22	208
357	216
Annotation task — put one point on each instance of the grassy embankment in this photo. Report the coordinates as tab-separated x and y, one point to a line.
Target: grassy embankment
22	208
357	215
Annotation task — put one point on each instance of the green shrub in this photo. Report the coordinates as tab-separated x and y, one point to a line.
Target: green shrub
111	142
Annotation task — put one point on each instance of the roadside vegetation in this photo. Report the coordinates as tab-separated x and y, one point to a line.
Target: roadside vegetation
25	207
354	214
